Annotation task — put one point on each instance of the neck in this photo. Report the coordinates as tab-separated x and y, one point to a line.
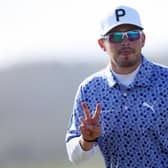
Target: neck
124	70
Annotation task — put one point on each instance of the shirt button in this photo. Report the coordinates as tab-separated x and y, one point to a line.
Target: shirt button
125	94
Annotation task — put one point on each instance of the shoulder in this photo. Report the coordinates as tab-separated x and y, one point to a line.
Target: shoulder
154	67
159	75
160	69
96	78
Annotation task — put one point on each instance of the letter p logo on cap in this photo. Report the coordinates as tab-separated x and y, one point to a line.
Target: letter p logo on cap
119	13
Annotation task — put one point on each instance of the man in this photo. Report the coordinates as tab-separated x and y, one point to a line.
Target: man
122	109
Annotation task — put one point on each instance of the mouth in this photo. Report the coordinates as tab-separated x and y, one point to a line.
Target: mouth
125	51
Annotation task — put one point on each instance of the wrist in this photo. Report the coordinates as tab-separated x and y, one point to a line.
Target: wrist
85	144
90	140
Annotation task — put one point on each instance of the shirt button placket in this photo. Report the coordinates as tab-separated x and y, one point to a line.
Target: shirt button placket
125	105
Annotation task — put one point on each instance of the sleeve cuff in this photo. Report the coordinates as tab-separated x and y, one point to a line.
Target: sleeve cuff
75	153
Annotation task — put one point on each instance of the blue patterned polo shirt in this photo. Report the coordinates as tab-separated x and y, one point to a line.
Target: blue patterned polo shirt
134	119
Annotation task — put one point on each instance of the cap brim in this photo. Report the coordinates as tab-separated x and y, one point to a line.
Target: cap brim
117	25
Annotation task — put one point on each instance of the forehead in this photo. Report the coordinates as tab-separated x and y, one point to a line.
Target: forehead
124	27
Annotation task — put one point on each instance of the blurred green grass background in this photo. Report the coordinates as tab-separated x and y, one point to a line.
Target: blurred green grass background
93	162
35	107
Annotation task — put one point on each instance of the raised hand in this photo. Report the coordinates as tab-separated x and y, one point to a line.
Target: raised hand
90	126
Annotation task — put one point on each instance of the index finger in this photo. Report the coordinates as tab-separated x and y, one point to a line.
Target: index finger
97	112
86	110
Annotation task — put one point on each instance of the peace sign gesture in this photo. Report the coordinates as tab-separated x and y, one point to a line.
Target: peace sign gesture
90	127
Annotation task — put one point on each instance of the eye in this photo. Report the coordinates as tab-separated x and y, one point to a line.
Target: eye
115	37
133	35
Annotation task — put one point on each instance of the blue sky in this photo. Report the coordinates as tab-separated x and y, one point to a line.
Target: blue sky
63	30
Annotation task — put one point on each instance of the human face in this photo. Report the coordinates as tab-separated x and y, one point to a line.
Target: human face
125	55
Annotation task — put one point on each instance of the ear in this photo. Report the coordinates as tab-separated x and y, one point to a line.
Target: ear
101	44
143	39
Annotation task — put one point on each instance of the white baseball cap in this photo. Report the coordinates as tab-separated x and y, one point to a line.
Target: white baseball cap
120	15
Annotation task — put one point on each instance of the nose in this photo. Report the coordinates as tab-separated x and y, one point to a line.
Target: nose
125	42
125	38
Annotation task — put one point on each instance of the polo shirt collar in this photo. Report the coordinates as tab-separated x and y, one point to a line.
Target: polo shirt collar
142	78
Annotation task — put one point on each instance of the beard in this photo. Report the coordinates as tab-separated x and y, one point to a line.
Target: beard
127	58
127	62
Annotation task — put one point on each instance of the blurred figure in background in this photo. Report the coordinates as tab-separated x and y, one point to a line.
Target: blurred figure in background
122	109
